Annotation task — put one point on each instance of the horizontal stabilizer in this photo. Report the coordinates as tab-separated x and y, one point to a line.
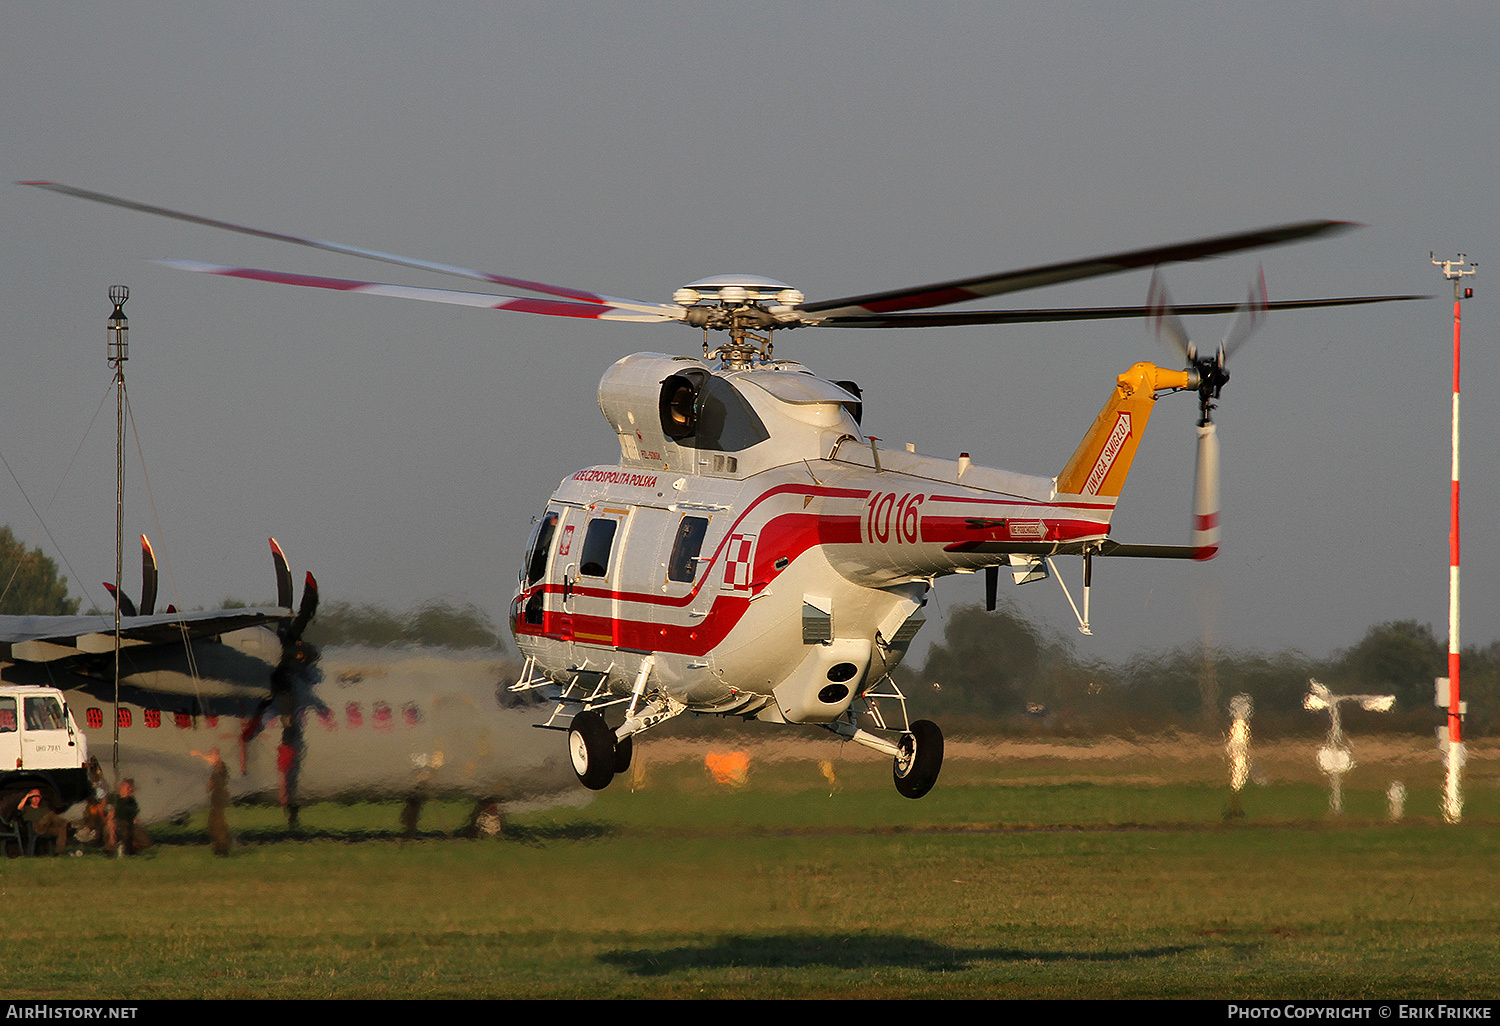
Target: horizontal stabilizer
1198	552
1107	547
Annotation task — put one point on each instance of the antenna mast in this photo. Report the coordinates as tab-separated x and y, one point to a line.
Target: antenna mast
1452	745
118	352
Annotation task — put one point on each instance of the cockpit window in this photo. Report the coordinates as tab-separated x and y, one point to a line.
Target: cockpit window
596	547
684	563
541	546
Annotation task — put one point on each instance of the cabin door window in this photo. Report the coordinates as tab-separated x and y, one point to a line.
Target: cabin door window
682	565
595	590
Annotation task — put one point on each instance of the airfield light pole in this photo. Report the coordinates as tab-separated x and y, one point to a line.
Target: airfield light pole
1454	271
119	351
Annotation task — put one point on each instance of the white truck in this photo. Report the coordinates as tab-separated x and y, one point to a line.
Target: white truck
41	747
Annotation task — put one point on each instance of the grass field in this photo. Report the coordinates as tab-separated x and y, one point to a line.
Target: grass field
1036	871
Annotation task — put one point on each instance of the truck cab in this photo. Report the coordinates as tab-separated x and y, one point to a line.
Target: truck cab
41	746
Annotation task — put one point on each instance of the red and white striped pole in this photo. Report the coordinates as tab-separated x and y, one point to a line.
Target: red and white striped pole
1454	271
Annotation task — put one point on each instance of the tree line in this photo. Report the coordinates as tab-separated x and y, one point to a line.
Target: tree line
1000	667
30	585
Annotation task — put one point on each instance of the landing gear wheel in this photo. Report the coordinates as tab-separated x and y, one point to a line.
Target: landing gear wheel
624	748
591	744
920	759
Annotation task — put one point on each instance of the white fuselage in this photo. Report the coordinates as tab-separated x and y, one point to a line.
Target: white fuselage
775	571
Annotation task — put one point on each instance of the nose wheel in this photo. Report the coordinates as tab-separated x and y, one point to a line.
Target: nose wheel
591	745
919	759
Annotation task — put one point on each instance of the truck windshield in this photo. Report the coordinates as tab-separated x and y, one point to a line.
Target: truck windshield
43	712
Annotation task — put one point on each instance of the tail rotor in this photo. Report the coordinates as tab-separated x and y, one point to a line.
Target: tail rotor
1210	373
1210	370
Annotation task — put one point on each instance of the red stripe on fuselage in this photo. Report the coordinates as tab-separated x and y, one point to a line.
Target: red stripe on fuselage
950	530
786	536
1099	504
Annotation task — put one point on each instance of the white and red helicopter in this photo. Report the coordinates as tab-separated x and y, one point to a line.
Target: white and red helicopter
752	553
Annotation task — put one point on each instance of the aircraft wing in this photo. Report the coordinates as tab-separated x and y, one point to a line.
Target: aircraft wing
43	638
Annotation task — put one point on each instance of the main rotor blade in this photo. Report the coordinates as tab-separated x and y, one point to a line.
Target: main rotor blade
944	293
485	300
337	247
962	317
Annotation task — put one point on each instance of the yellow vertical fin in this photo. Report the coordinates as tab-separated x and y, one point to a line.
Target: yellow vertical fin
1102	461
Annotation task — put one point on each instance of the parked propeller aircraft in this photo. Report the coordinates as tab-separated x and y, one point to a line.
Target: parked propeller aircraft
291	721
753	553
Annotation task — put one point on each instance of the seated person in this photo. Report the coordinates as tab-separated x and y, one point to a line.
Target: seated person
43	821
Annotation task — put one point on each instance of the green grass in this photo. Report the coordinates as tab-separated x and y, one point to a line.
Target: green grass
986	888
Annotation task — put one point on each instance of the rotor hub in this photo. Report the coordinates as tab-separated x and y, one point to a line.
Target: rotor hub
739	304
1212	376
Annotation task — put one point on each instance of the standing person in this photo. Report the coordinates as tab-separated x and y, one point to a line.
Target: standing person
123	810
92	828
218	801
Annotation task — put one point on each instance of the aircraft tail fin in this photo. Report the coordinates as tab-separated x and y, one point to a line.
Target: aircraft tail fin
1102	461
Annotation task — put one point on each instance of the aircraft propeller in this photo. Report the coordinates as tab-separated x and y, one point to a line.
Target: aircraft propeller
297	660
148	577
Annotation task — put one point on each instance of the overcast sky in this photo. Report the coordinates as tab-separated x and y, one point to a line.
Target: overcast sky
399	450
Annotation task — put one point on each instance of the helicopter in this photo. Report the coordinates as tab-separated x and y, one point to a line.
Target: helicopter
752	553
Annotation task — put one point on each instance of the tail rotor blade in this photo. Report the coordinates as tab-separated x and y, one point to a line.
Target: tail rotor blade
1164	320
1248	317
1206	494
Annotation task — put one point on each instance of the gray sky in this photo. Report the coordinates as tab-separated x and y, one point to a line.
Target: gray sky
399	449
